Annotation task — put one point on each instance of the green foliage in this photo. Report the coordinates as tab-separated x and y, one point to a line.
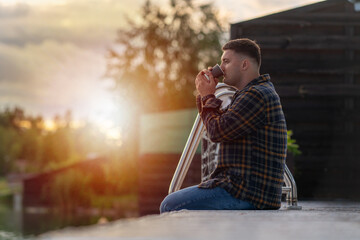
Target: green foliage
27	147
10	149
292	146
158	57
4	188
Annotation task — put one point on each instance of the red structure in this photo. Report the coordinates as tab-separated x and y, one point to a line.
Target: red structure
34	187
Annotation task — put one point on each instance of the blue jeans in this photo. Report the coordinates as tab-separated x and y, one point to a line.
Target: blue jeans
194	198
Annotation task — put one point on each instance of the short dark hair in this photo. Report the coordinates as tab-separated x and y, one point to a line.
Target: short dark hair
245	46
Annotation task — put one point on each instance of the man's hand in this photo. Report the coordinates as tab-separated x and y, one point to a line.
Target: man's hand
203	85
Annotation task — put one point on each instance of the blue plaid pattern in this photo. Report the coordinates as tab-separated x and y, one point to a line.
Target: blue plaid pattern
252	133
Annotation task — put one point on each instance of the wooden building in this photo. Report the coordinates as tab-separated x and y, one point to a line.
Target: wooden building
313	56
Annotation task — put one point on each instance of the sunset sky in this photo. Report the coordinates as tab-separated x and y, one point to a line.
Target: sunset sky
52	52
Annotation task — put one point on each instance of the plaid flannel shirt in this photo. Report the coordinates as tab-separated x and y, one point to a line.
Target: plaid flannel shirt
253	140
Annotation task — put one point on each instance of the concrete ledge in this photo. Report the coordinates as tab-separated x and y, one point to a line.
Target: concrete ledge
317	220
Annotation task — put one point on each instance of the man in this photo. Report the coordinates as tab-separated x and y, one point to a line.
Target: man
252	136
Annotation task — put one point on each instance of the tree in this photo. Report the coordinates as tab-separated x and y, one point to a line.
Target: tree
10	148
157	58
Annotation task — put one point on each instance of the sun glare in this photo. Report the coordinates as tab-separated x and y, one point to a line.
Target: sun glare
108	128
49	125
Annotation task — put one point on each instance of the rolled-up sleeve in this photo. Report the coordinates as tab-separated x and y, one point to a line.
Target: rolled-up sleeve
245	115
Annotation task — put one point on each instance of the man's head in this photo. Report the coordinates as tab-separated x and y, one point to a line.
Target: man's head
241	61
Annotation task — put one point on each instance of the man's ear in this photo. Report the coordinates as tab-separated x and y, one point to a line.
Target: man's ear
245	64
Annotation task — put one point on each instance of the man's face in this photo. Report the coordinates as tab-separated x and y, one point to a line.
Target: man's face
231	65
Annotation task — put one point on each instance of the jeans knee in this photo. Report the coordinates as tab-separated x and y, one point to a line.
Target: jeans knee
164	206
167	204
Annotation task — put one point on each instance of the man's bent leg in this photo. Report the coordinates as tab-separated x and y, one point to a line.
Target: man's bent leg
194	198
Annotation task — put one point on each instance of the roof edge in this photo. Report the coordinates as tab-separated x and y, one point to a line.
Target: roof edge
301	9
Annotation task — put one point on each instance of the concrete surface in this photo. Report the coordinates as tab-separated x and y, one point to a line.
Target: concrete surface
317	220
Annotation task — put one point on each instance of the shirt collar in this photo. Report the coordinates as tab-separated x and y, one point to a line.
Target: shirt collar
260	79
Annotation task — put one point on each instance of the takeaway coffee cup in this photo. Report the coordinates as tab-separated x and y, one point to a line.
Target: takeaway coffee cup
217	71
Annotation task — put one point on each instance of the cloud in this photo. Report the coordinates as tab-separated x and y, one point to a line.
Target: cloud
85	23
15	11
52	77
52	57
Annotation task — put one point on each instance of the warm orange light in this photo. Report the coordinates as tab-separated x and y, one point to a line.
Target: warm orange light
24	124
77	124
49	125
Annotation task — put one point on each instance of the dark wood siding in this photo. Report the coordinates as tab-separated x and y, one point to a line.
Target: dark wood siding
163	137
155	174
